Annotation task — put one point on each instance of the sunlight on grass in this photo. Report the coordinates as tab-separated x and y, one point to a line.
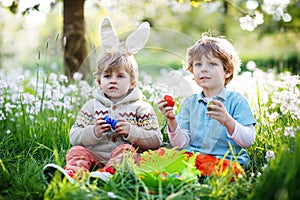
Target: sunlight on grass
36	113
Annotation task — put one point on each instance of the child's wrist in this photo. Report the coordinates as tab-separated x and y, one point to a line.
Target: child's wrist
172	125
229	123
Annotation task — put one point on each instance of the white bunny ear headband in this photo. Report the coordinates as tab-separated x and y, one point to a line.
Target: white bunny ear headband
134	42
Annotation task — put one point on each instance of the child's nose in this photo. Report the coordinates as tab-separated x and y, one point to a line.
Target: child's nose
204	68
113	79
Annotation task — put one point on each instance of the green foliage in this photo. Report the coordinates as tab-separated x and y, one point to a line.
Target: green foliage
30	139
125	185
14	7
277	120
33	135
281	179
291	63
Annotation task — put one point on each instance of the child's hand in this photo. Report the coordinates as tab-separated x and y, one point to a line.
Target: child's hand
167	111
122	127
217	111
100	127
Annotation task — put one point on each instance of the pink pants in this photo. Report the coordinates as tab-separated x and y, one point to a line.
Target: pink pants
80	158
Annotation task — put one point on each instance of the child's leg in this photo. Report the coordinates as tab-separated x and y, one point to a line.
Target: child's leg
116	157
79	157
208	165
120	152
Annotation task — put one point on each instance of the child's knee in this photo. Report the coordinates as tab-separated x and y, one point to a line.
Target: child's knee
76	150
125	147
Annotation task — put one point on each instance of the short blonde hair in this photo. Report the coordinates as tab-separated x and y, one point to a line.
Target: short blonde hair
219	47
111	61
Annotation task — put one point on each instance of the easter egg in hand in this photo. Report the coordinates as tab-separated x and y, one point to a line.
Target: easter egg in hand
170	101
208	104
110	121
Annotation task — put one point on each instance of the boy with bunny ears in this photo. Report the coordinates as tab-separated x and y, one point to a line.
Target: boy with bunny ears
117	122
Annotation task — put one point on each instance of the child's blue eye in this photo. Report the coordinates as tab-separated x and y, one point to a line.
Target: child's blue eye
197	64
213	64
106	76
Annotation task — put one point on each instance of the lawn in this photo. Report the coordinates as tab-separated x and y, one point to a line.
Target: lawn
37	111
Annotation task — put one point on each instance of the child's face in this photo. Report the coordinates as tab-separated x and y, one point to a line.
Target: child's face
209	74
116	83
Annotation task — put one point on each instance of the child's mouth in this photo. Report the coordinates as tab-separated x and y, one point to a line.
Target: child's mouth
204	78
113	88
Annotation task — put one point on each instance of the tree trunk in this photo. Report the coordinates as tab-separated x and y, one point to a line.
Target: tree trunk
73	38
223	28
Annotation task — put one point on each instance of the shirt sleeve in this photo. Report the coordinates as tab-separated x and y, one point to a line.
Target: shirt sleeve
179	138
243	135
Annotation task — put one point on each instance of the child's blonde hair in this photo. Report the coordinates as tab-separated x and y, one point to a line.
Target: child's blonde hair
218	47
120	54
111	61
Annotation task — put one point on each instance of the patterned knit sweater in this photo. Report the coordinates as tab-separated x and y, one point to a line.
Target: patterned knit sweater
144	128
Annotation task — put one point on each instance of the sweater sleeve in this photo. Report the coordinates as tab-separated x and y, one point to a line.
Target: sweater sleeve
82	132
146	133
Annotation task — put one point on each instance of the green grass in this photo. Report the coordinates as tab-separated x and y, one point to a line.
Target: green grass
35	132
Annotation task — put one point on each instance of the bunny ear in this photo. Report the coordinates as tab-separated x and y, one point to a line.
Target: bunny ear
137	40
110	40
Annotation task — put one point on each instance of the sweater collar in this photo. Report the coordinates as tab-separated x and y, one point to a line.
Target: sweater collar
134	95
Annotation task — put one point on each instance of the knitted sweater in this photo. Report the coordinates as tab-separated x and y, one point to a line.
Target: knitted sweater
144	128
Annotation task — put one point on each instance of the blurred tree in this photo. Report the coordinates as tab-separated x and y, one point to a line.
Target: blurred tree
249	13
274	14
74	38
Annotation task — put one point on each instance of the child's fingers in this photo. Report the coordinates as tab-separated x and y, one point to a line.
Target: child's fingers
121	119
99	122
162	106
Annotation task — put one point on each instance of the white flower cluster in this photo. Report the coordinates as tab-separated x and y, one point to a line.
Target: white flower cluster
287	95
277	8
24	94
270	155
249	23
291	131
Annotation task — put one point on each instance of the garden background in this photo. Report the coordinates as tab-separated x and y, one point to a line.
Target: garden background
45	78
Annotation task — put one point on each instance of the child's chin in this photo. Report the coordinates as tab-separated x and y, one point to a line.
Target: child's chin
204	85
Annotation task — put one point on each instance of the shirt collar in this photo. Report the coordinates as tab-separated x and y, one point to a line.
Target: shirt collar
221	96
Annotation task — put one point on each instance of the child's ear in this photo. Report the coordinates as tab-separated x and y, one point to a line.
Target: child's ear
98	84
228	74
133	85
